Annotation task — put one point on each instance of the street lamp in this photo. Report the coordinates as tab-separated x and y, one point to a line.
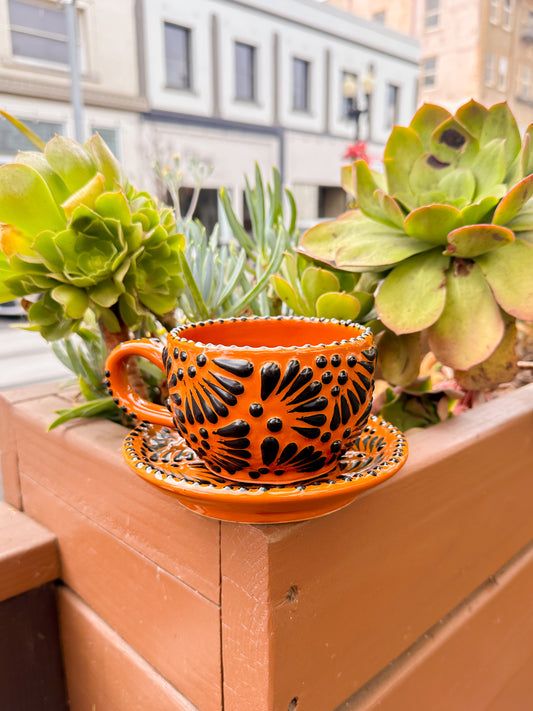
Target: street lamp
350	91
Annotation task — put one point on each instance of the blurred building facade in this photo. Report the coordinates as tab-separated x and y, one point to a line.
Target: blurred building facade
285	83
481	49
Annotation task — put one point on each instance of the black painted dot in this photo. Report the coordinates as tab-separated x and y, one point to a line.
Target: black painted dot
201	452
183	356
347	432
327	377
255	409
193	437
205	444
191	371
279	472
173	380
180	415
274	424
321	361
336	360
180	373
342	377
335	390
254	475
201	360
336	445
204	433
326	437
263	470
176	353
352	360
176	398
215	468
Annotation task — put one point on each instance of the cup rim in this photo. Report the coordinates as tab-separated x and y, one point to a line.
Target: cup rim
364	333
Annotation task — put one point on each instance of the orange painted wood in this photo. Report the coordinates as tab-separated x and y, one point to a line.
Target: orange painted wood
173	627
82	464
103	671
368	580
28	553
481	659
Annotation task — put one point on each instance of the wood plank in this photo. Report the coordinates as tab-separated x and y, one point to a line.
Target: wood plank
173	627
371	578
81	462
480	658
31	669
28	553
102	671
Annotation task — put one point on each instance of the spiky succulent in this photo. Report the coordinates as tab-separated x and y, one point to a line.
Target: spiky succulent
451	222
77	234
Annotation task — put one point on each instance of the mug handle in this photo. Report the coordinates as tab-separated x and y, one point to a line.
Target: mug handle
119	384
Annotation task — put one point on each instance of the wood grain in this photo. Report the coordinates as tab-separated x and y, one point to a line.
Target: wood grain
28	553
102	671
173	627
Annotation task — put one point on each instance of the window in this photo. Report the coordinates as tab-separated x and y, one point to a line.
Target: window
111	137
349	94
525	83
178	56
489	69
431	20
494	11
12	140
502	74
393	106
379	17
244	72
507	14
301	71
429	72
38	32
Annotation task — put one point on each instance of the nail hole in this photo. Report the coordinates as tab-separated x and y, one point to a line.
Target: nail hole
293	704
290	596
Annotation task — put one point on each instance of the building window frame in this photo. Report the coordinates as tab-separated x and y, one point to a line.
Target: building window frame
392	107
428	77
503	66
16	141
490	69
494	12
507	14
432	15
182	79
245	72
301	85
349	99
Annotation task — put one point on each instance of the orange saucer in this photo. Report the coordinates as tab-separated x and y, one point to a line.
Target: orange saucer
160	456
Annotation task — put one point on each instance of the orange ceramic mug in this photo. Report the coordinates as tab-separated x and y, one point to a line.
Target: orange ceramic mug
274	399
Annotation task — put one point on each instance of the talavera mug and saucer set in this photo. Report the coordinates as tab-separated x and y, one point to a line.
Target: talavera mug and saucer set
268	418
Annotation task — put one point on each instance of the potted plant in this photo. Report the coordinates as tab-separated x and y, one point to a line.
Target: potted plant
185	609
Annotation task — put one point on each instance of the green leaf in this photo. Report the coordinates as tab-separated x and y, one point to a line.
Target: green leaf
527	151
38	162
106	162
426	120
316	281
238	230
432	223
471	325
115	205
488	168
26	201
514	201
340	306
73	299
472	115
473	240
348	179
373	201
413	295
459	186
289	296
479	211
452	143
28	133
426	174
403	146
86	195
70	161
399	188
399	357
129	310
5	271
500	124
109	320
101	407
509	271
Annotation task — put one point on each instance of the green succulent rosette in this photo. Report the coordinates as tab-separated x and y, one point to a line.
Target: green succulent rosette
451	224
77	234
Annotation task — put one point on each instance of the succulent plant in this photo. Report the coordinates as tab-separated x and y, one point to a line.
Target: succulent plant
77	234
451	224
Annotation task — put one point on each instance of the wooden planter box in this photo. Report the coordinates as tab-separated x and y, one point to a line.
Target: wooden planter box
416	596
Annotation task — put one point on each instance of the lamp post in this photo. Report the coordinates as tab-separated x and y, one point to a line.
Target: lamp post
75	78
350	91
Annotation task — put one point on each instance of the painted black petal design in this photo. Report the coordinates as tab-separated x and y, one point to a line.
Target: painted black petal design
319	403
345	410
232	385
370	353
180	415
305	455
269	450
208	410
176	398
365	413
242	443
354	402
244	453
303	378
361	392
188	412
314	420
173	380
236	366
364	380
313	466
228	398
217	406
288	453
270	375
336	418
198	414
309	432
369	367
291	371
310	391
237	428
